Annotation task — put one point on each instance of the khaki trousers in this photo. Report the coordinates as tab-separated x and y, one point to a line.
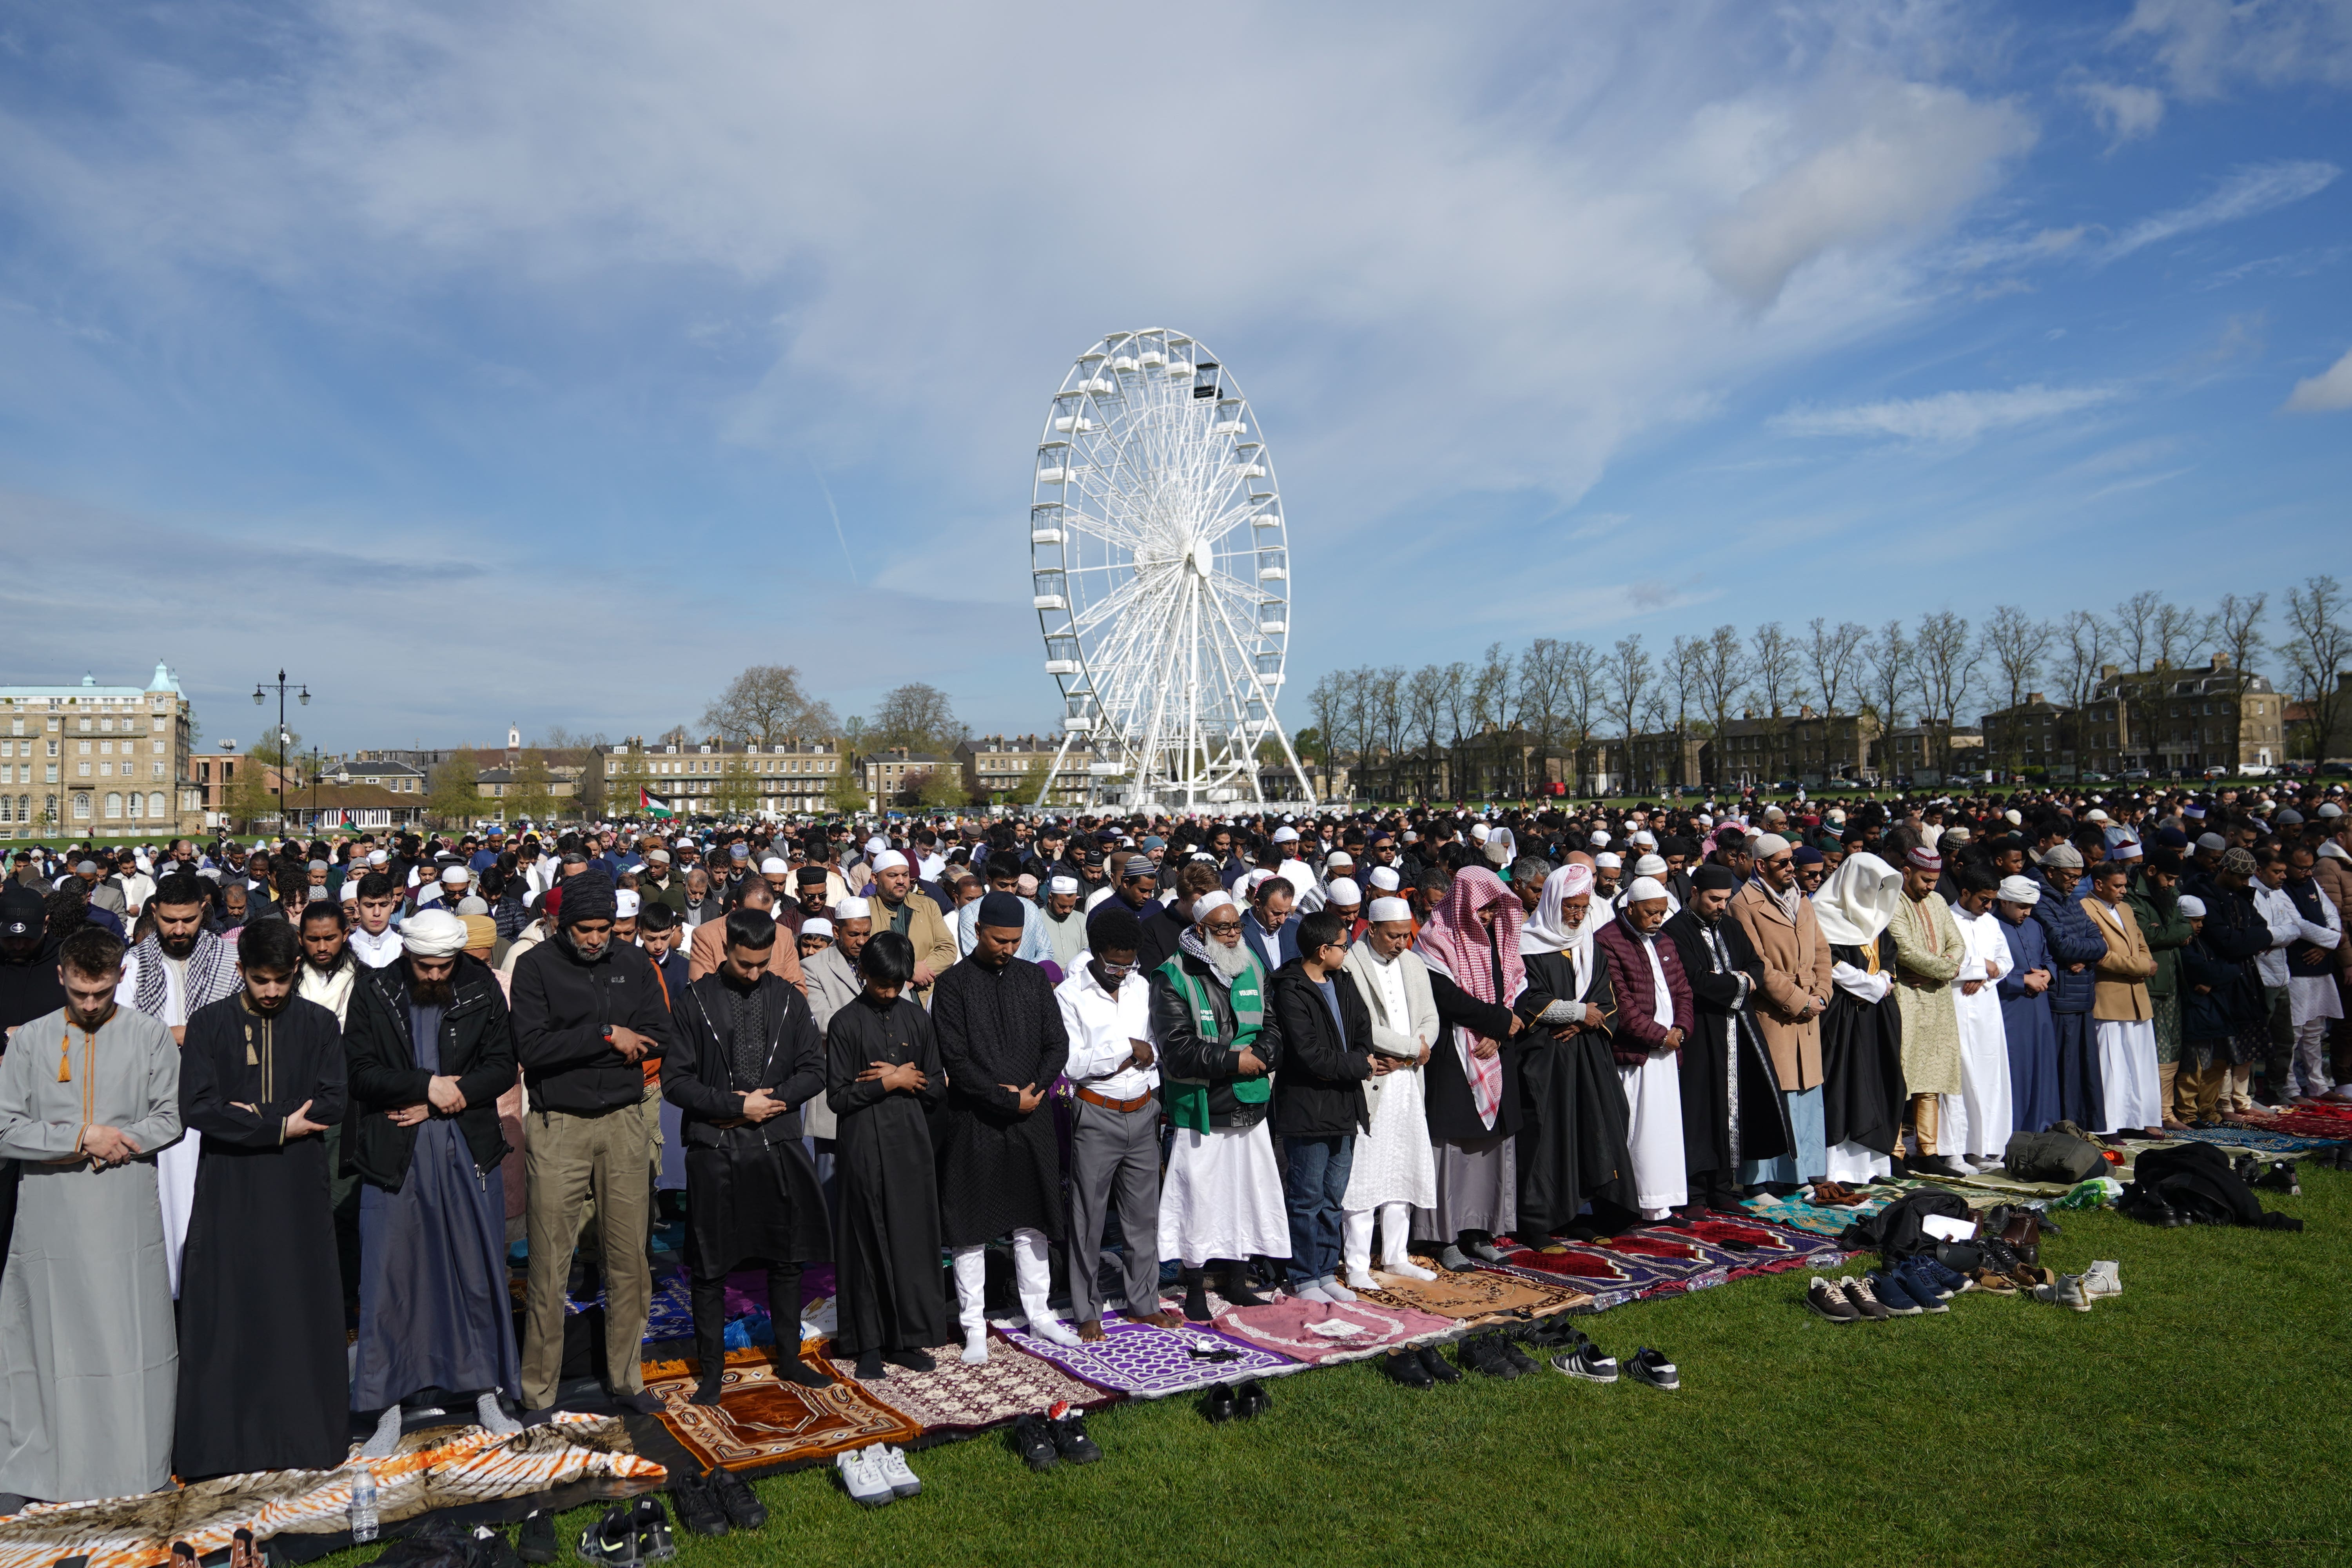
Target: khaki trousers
572	1160
1927	1116
2199	1093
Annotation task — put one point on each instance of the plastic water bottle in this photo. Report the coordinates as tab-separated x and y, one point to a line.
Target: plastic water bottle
364	1506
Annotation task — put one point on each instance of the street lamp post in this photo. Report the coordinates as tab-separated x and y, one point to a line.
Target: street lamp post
259	694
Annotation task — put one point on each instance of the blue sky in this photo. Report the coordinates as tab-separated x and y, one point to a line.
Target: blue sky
490	363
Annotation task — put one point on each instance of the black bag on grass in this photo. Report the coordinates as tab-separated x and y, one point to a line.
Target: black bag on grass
2196	1179
2051	1157
1894	1231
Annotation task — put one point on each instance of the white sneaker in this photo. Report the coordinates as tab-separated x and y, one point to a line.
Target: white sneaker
1333	1290
2104	1277
2067	1292
891	1463
1406	1269
862	1480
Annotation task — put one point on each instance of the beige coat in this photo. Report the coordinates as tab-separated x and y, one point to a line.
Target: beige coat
708	950
934	939
2122	994
1796	973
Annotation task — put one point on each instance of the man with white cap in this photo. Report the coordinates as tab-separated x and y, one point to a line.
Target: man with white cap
898	905
1064	923
431	1049
1394	1169
2028	1033
1787	938
1656	1015
1975	1124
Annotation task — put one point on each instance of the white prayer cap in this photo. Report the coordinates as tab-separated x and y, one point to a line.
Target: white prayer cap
1344	891
2213	841
1772	843
1606	861
625	903
2331	809
456	876
1644	837
2023	891
313	865
1251	880
1286	836
888	860
2191	907
852	909
316	895
1339	858
2095	815
1650	866
1599	836
876	845
379	857
351	888
1644	889
774	866
1478	830
2014	817
414	876
1386	910
1208	904
473	904
1385	880
1063	885
432	934
820	926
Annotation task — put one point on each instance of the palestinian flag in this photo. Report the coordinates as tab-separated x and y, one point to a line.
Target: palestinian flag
651	804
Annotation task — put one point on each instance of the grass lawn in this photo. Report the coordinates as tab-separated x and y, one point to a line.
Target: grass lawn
2201	1418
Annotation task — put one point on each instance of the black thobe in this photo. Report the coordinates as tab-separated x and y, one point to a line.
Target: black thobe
264	1383
891	1290
1863	1092
1571	1143
1732	1108
1448	1104
1000	1170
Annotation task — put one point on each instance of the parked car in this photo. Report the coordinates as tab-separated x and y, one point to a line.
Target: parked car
2217	771
2132	776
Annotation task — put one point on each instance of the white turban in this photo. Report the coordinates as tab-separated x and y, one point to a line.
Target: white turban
1645	837
1208	904
1772	843
820	926
876	845
1386	910
1339	858
1576	880
1479	831
1385	880
456	876
2020	890
1286	836
1645	890
2191	907
1343	891
852	909
625	902
1598	836
432	934
888	860
1063	885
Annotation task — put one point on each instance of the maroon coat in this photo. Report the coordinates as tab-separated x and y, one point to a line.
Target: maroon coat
1638	1033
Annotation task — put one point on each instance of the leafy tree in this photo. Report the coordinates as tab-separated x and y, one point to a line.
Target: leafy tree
917	716
247	799
935	789
844	796
531	792
454	797
766	703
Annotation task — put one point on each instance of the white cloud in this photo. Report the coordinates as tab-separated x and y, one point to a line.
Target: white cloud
1946	416
2329	392
2247	193
2209	45
2126	111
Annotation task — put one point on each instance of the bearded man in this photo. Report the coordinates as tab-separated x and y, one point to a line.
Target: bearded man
179	967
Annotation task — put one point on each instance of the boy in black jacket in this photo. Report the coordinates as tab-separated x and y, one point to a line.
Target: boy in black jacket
1319	1101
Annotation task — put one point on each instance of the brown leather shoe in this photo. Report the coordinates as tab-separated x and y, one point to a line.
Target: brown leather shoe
1090	1329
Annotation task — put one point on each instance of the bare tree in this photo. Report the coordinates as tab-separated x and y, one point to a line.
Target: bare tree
1491	711
1947	657
1888	657
1727	673
1388	700
2238	633
1685	679
2320	646
676	735
1582	667
1835	658
1539	700
766	703
1776	666
2135	629
2017	644
2085	642
1456	699
1329	702
1424	703
917	716
1630	671
2181	635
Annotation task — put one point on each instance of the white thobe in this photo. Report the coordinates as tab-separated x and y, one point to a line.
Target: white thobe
1978	1120
175	1166
1654	1094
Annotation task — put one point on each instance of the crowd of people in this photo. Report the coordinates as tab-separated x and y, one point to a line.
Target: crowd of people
271	1116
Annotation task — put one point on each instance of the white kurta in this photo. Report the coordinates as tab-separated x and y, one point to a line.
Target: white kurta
1654	1093
2128	1071
1978	1120
1222	1197
175	1167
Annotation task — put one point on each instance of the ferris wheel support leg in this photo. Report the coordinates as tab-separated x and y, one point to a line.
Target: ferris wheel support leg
1055	771
1306	789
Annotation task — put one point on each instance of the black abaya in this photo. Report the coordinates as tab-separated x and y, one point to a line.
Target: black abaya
890	1289
1573	1114
264	1383
1000	1167
1863	1092
1732	1106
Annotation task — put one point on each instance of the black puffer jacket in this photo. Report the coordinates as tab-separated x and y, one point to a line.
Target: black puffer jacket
562	1003
477	1049
1320	1091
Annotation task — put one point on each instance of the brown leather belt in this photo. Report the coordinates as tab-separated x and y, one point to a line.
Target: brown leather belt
1107	1103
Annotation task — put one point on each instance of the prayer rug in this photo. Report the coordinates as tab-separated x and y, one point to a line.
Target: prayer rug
1650	1260
1794	1213
765	1422
669	1315
434	1470
1482	1296
1148	1362
952	1399
2261	1140
1322	1332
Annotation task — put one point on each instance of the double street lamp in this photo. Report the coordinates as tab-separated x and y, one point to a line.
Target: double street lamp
260	693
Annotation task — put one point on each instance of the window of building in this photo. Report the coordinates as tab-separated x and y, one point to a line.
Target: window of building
82	807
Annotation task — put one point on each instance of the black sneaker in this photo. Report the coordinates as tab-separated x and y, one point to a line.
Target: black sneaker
1509	1351
1587	1363
611	1541
651	1521
536	1539
698	1510
1435	1363
1217	1404
1036	1444
1482	1355
1649	1366
1070	1440
1404	1367
1251	1400
1826	1301
743	1507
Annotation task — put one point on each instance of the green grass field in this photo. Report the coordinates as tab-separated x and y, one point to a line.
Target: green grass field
2200	1418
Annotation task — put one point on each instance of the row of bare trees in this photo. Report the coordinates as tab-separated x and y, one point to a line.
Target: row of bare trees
1554	697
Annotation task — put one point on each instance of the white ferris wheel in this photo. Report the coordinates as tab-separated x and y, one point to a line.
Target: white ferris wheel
1161	579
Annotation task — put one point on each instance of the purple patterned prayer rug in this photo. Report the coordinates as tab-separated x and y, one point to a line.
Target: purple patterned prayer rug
1151	1363
953	1398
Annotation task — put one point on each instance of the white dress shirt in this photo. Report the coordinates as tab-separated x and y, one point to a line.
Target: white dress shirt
1102	1026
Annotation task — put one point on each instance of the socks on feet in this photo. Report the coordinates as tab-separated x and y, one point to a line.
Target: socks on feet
386	1436
495	1420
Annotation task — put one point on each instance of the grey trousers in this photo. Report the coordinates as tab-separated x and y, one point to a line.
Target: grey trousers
1114	1152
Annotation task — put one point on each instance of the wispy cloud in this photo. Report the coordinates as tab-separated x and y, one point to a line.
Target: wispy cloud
1946	416
2329	392
2126	113
2138	482
2247	193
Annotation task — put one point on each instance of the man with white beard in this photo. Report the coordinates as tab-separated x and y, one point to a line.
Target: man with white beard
1395	1170
1221	1200
178	968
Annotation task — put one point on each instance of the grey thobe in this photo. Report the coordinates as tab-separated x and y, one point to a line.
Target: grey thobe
90	1360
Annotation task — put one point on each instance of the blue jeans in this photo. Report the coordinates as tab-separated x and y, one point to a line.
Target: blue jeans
1319	1180
1811	1160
